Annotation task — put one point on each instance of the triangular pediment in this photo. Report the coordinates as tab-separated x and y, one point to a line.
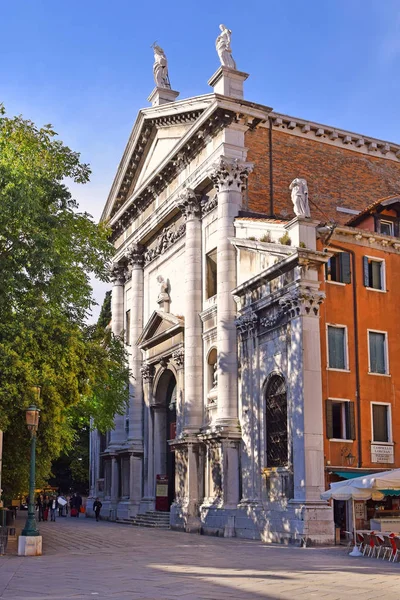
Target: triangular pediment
159	327
155	135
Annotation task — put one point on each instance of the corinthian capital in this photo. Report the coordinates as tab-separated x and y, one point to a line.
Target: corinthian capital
189	204
135	255
230	173
117	274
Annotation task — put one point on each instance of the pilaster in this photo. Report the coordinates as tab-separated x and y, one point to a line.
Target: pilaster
147	502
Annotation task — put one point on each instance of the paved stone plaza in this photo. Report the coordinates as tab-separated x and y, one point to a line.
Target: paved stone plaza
84	559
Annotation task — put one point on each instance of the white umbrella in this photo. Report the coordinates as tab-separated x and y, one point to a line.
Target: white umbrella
344	490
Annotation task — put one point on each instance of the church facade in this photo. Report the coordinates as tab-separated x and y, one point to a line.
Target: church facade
217	292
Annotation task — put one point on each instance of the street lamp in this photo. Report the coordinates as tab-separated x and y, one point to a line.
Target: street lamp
32	421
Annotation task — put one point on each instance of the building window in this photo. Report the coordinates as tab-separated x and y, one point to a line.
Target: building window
377	349
381	430
128	327
338	268
374	273
211	276
340	422
337	350
277	453
386	227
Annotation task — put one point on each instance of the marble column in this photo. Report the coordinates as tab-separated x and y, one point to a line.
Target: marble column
147	502
189	204
135	435
230	178
117	435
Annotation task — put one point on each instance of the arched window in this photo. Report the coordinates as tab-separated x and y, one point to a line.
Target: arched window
276	423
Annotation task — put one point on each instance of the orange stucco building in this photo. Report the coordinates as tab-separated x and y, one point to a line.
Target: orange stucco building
361	379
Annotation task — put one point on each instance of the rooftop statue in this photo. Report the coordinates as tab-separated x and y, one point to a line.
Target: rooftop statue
299	191
160	67
223	46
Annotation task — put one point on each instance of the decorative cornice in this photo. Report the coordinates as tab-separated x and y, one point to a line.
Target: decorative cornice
230	173
147	372
189	204
371	237
118	274
327	134
135	255
168	237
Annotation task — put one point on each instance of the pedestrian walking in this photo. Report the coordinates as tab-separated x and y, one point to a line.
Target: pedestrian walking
39	504
45	508
97	508
53	508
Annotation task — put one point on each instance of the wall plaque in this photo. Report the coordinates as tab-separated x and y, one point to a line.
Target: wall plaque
382	454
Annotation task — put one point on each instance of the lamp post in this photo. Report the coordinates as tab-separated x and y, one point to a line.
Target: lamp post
32	421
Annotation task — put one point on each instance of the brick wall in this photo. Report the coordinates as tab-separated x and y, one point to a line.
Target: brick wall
335	176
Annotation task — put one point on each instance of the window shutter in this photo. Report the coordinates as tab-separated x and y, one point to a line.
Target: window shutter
350	422
366	271
345	271
329	419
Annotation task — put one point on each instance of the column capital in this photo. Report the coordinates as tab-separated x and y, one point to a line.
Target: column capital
247	323
189	204
117	273
178	356
147	372
230	174
135	255
302	301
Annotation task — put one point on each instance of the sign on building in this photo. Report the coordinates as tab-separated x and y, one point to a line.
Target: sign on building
382	454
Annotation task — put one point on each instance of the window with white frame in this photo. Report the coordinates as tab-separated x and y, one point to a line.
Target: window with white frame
340	421
377	352
381	423
337	347
386	227
374	273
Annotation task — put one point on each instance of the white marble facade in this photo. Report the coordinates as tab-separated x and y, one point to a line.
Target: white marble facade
210	319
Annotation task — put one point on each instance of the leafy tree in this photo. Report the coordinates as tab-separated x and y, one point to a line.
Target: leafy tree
47	251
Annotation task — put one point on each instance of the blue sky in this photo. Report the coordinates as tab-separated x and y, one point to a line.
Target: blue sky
86	66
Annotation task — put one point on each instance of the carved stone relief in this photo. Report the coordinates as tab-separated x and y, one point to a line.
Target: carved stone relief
118	273
189	204
168	237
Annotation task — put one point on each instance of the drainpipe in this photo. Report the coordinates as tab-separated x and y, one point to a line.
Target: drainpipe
271	177
356	352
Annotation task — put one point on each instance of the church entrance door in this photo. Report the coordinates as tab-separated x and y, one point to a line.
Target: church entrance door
164	430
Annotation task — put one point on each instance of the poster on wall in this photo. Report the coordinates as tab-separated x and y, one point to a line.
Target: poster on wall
359	508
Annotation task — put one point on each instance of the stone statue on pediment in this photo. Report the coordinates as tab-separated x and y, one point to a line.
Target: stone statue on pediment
223	46
160	68
299	191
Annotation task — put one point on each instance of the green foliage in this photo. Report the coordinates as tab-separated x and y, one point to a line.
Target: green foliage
47	252
105	312
266	237
302	245
285	239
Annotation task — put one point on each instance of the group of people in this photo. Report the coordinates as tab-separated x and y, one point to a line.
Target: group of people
45	505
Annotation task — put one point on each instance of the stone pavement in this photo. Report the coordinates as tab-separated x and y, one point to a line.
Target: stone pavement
105	561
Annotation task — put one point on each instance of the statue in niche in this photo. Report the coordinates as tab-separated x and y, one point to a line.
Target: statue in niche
223	46
299	191
215	376
163	299
160	67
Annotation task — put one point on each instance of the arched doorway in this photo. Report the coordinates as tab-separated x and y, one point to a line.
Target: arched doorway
165	429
